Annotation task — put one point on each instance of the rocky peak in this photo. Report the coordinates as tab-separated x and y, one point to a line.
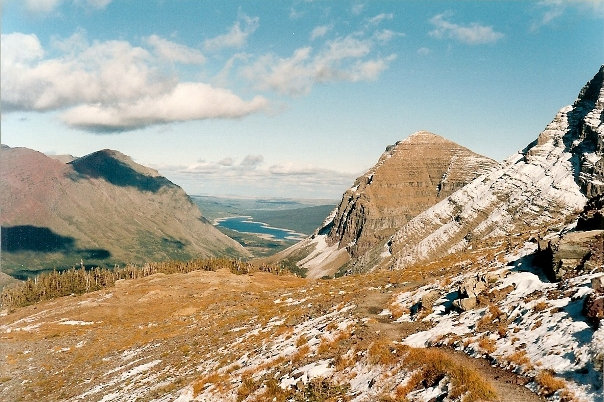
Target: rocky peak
409	177
119	169
543	187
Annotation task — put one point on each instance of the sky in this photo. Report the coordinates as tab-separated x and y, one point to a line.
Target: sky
289	99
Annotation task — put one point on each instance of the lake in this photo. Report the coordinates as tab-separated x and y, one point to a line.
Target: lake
245	224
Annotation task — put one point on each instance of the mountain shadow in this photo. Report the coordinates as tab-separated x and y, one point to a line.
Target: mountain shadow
43	240
33	238
103	165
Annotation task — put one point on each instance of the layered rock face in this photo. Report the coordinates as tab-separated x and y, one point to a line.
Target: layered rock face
544	186
102	208
409	177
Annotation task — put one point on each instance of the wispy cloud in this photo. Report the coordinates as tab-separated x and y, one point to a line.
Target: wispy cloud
342	59
423	51
357	9
470	34
237	35
554	9
112	85
376	20
320	31
175	52
48	6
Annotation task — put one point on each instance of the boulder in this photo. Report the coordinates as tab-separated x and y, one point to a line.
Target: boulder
592	217
472	287
574	250
597	284
429	298
593	308
465	304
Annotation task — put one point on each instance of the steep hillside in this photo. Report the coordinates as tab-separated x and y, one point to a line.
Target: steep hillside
541	188
102	208
409	177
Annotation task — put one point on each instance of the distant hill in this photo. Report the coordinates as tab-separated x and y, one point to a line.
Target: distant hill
101	209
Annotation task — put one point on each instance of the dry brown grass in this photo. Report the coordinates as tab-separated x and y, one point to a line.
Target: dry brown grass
435	364
302	352
540	306
212	379
487	345
47	286
548	383
382	352
248	386
520	359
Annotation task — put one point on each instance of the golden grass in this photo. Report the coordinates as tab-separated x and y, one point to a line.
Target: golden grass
520	359
548	383
248	386
487	345
201	384
540	306
381	352
434	364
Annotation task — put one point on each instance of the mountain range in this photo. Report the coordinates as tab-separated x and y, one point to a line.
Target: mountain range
386	220
441	276
100	209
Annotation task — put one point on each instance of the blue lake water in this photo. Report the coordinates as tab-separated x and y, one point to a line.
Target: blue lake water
245	224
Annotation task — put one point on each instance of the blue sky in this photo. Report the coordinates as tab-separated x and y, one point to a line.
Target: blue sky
291	98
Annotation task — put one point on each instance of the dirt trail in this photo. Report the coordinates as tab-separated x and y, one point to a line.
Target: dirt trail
509	386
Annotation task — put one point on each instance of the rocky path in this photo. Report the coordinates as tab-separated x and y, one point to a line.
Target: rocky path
509	386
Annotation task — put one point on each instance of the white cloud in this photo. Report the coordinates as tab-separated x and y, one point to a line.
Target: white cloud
18	48
175	52
187	101
48	6
280	179
102	72
553	9
252	161
110	86
471	34
237	36
42	6
386	35
342	59
357	9
378	19
319	31
423	51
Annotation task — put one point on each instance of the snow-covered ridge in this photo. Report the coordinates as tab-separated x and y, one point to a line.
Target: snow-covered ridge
543	186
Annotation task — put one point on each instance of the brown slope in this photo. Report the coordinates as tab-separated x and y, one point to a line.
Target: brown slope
410	177
102	208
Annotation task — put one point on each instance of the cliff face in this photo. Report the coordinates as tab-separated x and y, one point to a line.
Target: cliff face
543	187
102	208
409	177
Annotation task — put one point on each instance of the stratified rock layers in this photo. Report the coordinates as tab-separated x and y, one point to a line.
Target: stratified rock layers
410	176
